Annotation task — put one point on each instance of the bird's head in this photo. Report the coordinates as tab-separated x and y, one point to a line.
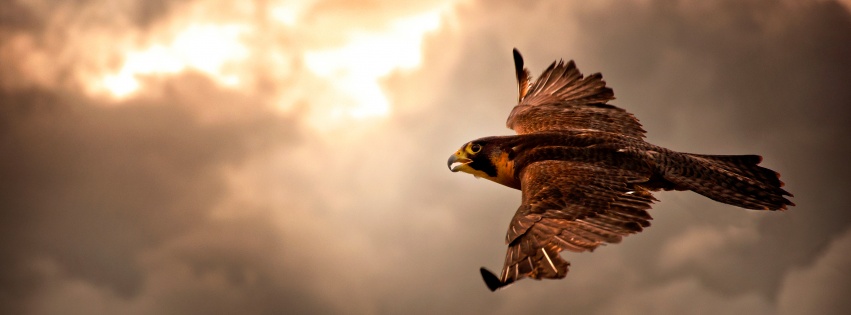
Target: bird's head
486	158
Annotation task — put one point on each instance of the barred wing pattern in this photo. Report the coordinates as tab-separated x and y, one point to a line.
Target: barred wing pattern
569	205
562	99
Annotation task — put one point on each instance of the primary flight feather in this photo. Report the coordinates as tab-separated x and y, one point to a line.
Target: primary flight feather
587	175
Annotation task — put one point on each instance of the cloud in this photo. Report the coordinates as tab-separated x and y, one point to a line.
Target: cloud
88	186
699	245
818	288
192	195
685	296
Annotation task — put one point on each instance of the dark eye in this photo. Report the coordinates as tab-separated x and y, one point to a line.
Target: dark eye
475	148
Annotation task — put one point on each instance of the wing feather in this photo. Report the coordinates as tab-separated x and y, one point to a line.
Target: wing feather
573	206
563	99
523	76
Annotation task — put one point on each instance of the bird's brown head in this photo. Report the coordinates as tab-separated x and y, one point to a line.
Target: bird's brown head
486	158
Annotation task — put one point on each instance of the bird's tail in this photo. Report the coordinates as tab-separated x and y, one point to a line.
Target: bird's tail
732	179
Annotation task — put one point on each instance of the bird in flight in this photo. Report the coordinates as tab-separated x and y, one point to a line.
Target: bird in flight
586	174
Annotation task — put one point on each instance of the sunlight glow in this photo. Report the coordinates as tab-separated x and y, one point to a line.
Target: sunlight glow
203	48
346	69
289	12
285	15
355	69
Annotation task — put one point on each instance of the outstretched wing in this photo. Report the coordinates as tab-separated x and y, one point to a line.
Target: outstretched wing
570	205
563	99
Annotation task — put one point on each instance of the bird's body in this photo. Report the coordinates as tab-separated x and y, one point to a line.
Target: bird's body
586	173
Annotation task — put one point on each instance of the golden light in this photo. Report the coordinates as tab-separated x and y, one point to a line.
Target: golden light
355	69
345	84
286	14
203	48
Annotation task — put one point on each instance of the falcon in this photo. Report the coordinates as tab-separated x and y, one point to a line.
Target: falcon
586	174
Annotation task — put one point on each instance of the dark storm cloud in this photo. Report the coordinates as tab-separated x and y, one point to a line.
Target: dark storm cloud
89	186
16	16
32	15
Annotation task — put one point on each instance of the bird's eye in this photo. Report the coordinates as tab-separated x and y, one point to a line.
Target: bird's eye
475	148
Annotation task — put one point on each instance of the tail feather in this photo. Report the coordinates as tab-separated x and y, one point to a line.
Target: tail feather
746	165
731	179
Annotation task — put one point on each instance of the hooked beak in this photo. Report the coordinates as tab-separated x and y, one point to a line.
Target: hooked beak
456	161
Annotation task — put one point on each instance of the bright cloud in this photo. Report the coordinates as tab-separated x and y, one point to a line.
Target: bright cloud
206	48
355	69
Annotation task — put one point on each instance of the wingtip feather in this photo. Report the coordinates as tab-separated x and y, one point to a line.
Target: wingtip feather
518	63
522	74
491	280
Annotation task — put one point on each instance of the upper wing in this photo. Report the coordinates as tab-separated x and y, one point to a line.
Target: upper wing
569	205
563	99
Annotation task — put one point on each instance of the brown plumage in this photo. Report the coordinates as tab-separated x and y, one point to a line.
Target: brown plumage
586	173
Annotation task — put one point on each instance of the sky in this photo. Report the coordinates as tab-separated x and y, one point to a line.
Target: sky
268	157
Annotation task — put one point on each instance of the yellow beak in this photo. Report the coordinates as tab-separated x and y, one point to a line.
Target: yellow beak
457	160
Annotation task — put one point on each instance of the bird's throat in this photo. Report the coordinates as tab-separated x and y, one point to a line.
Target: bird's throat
504	171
